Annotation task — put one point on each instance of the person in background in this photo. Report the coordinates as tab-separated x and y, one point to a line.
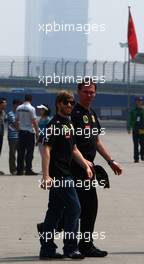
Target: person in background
13	137
3	105
136	124
26	121
44	113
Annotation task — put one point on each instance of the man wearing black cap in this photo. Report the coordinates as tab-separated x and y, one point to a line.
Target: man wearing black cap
136	124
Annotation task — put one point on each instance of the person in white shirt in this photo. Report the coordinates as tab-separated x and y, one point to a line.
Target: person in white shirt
27	125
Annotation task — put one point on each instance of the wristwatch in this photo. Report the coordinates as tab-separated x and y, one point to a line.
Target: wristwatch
110	162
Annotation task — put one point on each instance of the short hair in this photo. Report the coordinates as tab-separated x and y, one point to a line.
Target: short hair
16	102
86	81
28	97
63	95
2	100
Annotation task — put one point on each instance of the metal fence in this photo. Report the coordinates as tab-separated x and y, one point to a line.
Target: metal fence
29	67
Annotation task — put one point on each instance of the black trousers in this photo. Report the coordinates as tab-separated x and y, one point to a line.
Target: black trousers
89	206
138	141
25	150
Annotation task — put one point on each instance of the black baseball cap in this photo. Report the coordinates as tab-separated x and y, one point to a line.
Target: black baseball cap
101	176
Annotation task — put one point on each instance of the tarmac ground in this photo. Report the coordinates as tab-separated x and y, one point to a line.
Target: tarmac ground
120	216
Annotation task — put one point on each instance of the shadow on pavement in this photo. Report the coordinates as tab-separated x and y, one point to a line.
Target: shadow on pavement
127	253
36	258
23	259
18	259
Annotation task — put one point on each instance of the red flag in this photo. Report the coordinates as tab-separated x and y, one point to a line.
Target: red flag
132	38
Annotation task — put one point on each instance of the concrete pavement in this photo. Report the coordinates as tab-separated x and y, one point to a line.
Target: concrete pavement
120	215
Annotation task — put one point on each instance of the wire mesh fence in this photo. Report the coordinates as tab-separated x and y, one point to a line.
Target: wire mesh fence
32	67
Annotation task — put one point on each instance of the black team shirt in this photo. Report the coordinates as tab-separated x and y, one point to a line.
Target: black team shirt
62	140
87	121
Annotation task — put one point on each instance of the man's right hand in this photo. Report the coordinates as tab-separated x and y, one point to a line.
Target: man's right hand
46	183
89	172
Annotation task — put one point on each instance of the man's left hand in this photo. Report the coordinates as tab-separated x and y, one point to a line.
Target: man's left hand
116	167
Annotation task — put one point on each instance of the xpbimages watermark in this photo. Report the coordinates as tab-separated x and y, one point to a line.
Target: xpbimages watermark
67	79
68	183
66	27
46	236
87	131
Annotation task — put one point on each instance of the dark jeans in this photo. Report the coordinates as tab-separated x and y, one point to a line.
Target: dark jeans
89	207
138	141
13	147
62	200
1	142
25	150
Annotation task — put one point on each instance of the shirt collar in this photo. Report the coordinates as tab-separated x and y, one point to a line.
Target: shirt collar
83	109
62	117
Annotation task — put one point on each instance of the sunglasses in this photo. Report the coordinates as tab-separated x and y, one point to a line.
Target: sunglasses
66	102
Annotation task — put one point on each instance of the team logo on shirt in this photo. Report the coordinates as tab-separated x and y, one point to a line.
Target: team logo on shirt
67	131
93	118
72	127
85	119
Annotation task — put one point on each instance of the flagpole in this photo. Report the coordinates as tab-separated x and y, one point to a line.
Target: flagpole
132	51
128	73
125	54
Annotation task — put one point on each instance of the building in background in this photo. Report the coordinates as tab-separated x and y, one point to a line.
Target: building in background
60	44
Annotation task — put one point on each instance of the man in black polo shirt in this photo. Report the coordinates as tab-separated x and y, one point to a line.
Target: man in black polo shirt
59	149
85	118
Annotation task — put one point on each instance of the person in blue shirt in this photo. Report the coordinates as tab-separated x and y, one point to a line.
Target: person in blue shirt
13	137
